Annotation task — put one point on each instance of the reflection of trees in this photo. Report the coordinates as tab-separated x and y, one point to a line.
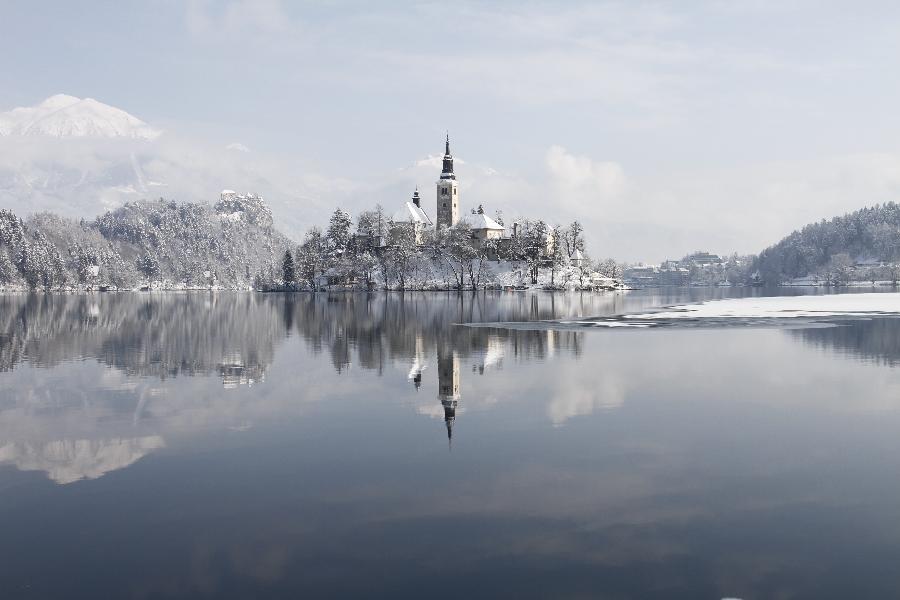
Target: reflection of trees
876	339
235	334
160	335
372	330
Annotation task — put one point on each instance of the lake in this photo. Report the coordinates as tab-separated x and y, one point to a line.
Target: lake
352	445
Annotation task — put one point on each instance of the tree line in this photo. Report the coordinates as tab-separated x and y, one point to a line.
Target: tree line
864	244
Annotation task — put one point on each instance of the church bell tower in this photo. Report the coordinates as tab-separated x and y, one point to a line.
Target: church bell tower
447	192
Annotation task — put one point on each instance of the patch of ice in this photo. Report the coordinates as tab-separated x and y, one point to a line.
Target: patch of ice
780	307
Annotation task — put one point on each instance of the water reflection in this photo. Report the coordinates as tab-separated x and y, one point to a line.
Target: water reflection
75	421
300	449
149	360
876	340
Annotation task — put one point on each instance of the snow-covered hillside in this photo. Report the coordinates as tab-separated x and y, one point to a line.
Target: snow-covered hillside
63	116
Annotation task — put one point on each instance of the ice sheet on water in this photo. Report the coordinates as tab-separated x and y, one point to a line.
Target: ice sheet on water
774	311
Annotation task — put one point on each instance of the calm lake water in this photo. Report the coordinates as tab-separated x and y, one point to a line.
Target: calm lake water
288	446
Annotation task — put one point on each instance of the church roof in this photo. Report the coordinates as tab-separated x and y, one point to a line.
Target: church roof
482	221
410	213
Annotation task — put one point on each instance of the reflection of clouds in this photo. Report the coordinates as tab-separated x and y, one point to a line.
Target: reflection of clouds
582	395
66	461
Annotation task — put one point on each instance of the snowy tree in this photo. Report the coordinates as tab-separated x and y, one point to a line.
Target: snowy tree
288	272
610	268
839	268
556	258
399	256
367	223
455	249
311	256
585	270
365	265
7	269
573	237
147	265
338	234
530	246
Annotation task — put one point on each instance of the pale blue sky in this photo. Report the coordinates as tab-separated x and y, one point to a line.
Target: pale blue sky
665	126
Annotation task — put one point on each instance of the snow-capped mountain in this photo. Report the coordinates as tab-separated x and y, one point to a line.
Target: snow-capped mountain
63	116
80	158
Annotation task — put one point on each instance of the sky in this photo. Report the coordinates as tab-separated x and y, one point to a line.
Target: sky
664	127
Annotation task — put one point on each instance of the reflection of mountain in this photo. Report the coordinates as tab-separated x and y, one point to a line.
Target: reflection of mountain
76	421
66	461
875	339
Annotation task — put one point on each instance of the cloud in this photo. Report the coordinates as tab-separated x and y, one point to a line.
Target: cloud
237	146
598	180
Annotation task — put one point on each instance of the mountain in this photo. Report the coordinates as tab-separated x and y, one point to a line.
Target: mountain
867	237
79	157
231	245
63	116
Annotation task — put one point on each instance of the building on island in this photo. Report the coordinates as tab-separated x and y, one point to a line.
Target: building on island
483	227
411	220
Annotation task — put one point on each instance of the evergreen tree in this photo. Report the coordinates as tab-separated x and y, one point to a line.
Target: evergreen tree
288	272
338	235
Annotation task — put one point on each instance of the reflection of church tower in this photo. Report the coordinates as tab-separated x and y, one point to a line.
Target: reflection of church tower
447	192
448	388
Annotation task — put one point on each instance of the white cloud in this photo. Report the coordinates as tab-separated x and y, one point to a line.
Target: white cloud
597	180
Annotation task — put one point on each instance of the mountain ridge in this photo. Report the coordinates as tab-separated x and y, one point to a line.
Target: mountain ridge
64	116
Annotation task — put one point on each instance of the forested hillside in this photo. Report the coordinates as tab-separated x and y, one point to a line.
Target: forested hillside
171	243
830	249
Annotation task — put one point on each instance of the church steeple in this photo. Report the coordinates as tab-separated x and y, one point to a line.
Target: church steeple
447	171
447	192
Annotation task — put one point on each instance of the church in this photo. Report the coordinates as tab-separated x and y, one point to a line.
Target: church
413	219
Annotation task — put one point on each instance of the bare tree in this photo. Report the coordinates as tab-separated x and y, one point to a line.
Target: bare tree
573	238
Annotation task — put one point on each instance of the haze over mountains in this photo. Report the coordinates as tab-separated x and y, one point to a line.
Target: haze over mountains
79	157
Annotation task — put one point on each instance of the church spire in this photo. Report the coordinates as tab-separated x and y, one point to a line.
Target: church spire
447	171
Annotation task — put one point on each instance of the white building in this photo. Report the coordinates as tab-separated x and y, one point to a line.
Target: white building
411	220
483	227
